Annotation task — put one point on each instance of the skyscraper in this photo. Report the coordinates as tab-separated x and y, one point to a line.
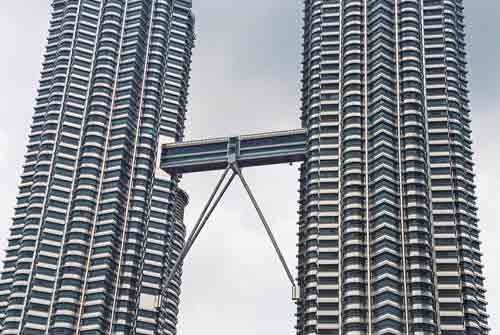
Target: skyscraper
389	237
97	223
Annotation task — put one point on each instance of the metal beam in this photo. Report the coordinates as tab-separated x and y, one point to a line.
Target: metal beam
250	150
202	220
196	228
207	212
237	170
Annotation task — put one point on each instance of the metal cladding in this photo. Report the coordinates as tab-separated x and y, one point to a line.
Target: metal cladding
96	222
388	227
388	230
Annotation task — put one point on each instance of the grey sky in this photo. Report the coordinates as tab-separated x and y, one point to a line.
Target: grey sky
246	78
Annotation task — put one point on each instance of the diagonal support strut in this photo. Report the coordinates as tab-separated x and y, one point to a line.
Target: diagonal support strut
200	223
207	212
237	170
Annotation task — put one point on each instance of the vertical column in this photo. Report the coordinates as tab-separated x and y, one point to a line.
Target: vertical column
167	320
324	146
26	220
154	209
57	158
79	232
354	192
443	199
386	226
319	260
460	282
476	316
319	309
418	232
134	236
109	220
165	229
62	316
308	225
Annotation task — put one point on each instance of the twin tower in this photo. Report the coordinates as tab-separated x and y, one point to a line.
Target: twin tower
388	226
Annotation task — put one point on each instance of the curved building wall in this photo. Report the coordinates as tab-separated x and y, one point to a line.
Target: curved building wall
93	213
169	301
388	234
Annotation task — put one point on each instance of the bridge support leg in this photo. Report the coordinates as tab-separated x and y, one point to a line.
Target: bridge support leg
237	170
205	215
200	223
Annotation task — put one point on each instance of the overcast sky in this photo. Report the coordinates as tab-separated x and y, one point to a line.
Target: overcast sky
245	78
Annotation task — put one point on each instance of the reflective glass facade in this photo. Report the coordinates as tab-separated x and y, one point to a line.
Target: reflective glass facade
97	223
388	229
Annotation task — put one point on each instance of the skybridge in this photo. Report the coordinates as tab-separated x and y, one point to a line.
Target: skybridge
231	154
248	150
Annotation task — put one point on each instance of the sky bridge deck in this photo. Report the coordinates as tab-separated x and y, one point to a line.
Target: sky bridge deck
248	150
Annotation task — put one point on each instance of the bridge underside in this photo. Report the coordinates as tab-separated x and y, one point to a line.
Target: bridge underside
247	150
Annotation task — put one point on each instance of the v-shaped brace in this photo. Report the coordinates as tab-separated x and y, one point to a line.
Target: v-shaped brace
207	212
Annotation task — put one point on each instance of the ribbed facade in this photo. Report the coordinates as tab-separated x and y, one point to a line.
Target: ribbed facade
388	229
97	223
